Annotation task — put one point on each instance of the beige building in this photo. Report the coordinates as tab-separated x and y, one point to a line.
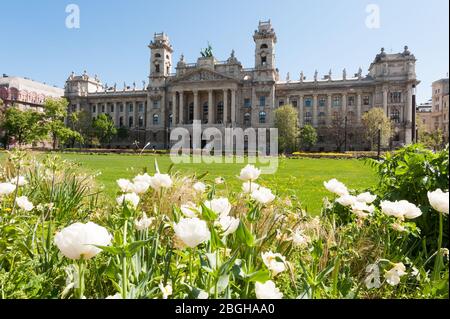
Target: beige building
225	94
425	116
440	106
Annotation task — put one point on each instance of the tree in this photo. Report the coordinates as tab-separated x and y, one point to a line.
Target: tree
373	121
122	133
337	130
81	122
433	140
308	137
23	126
55	110
104	128
286	120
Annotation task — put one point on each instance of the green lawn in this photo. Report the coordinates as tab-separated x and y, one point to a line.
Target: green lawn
301	177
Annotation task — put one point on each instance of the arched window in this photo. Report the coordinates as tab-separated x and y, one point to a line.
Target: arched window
219	114
262	117
130	121
247	119
157	55
264	46
155	119
205	113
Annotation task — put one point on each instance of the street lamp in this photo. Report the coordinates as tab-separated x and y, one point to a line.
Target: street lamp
345	135
379	142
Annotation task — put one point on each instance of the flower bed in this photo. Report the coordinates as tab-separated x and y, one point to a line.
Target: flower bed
173	236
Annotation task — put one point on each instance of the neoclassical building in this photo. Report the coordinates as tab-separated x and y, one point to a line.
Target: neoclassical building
225	94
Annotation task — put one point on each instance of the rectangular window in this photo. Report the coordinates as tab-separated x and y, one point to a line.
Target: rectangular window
366	100
141	107
294	103
281	103
322	102
262	101
351	101
396	97
155	104
111	108
103	108
130	108
121	108
247	103
337	101
308	102
94	108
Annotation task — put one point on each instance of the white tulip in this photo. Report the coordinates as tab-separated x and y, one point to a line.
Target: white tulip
145	178
140	187
199	187
249	187
346	200
116	296
367	198
80	240
263	195
250	173
228	224
190	210
221	206
219	180
439	201
394	275
373	276
360	208
7	188
166	290
400	209
336	187
24	203
203	295
143	223
130	199
192	231
275	262
159	181
125	185
299	239
19	181
268	290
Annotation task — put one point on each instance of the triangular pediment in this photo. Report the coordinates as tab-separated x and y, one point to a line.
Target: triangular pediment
203	75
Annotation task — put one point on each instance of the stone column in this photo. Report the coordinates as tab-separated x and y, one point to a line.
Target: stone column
210	108
196	109
408	110
314	113
225	107
126	121
233	107
116	113
329	109
288	100
385	101
358	108
300	113
181	109
344	104
136	114
174	108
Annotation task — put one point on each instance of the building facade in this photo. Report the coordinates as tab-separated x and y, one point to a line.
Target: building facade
440	106
425	116
26	93
224	94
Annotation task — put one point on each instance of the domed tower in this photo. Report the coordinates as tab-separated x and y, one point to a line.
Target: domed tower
160	59
265	40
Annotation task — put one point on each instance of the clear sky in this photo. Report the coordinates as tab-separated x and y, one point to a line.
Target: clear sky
322	34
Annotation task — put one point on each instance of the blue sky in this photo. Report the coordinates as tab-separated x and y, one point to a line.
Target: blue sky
113	36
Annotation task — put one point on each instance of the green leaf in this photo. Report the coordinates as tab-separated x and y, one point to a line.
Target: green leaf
208	214
259	276
244	235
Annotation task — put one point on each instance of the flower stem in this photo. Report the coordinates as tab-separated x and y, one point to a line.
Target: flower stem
438	261
124	263
80	290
